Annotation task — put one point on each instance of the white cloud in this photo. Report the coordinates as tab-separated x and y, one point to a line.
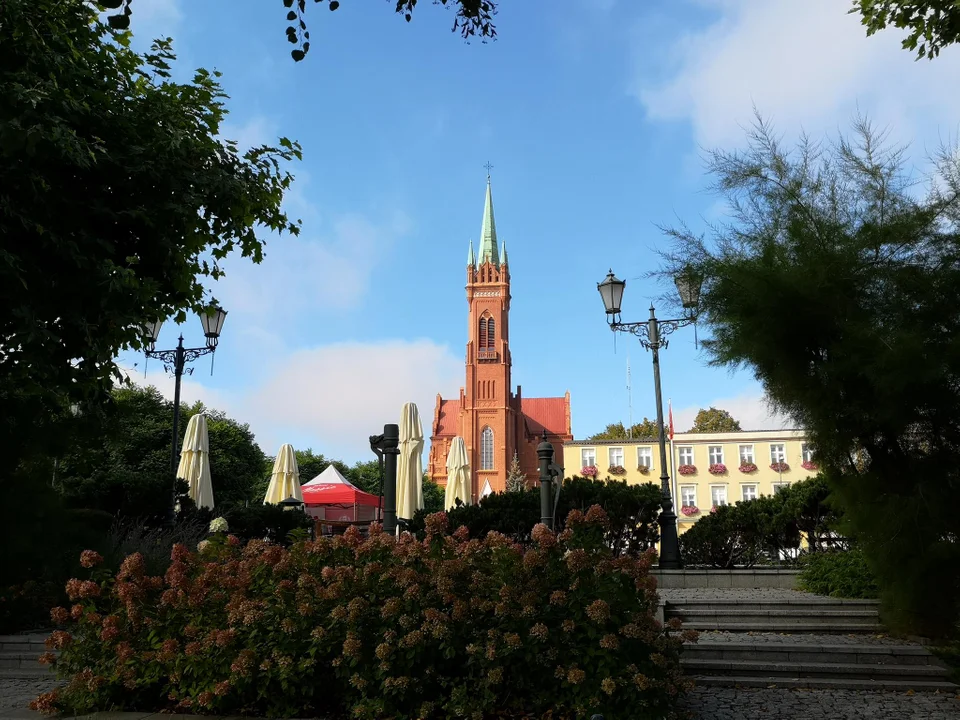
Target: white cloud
322	272
331	398
752	411
256	131
803	65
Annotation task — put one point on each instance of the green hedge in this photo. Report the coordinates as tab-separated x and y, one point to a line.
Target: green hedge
839	573
632	512
753	531
447	627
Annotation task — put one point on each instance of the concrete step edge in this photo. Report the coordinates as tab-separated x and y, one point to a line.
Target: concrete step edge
682	612
771	603
758	668
864	649
823	684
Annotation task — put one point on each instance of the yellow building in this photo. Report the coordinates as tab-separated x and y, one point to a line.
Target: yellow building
707	469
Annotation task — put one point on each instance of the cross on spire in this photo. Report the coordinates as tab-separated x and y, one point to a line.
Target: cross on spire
489	167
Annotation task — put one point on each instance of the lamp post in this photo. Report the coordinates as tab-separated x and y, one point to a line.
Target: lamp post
652	334
175	361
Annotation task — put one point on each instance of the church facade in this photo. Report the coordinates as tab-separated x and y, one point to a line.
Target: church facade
497	425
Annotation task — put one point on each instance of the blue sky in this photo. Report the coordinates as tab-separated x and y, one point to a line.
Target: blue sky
593	118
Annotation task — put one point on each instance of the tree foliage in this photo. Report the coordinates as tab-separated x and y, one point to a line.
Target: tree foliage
473	18
839	238
714	420
119	199
128	471
644	430
931	25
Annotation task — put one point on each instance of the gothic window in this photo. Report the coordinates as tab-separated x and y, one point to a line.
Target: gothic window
491	333
486	449
483	334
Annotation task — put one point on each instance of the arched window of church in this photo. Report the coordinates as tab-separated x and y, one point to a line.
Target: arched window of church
486	449
491	333
483	334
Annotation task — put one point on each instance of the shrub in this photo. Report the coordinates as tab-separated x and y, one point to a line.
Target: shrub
440	628
741	534
632	511
266	522
840	573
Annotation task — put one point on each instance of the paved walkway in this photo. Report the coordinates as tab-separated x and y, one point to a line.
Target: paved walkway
782	704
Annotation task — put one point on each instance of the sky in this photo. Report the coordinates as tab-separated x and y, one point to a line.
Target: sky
595	115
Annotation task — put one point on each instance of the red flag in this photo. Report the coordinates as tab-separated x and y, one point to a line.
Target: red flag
670	405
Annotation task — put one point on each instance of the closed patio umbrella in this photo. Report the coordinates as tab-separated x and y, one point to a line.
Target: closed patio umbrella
458	475
195	462
285	478
410	463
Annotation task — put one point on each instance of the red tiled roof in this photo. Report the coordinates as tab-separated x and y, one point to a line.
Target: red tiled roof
449	416
549	413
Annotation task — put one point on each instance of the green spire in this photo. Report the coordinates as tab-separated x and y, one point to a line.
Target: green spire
471	258
488	234
503	254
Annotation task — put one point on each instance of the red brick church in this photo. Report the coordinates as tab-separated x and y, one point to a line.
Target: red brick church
495	423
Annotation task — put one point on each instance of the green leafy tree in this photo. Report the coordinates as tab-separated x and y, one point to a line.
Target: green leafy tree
645	430
473	18
119	200
516	478
128	471
838	237
714	420
931	25
432	496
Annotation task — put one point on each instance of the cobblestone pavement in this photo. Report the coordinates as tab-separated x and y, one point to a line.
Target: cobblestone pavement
714	636
783	704
16	693
678	595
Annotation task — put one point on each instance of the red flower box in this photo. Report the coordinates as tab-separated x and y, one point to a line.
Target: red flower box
779	467
687	469
809	465
717	469
589	471
748	467
689	510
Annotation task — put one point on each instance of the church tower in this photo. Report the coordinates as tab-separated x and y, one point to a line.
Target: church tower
487	403
496	424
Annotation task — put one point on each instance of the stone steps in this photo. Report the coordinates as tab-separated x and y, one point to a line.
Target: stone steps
824	666
819	615
20	656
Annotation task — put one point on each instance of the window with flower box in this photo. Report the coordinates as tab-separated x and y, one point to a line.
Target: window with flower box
778	453
748	492
688	496
715	453
806	452
686	455
746	454
780	487
645	457
588	457
615	454
718	495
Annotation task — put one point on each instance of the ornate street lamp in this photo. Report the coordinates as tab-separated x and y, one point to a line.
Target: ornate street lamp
291	503
175	362
652	334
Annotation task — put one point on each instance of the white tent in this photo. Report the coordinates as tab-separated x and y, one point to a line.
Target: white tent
330	476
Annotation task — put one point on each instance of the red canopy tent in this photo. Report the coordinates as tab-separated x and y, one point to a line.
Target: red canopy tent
330	496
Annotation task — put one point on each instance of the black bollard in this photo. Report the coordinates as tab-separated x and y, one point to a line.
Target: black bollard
387	446
545	454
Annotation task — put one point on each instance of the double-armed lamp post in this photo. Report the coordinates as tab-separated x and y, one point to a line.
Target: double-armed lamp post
653	336
175	362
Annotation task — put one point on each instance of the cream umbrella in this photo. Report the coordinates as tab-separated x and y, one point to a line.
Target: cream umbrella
285	479
410	463
458	475
195	461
